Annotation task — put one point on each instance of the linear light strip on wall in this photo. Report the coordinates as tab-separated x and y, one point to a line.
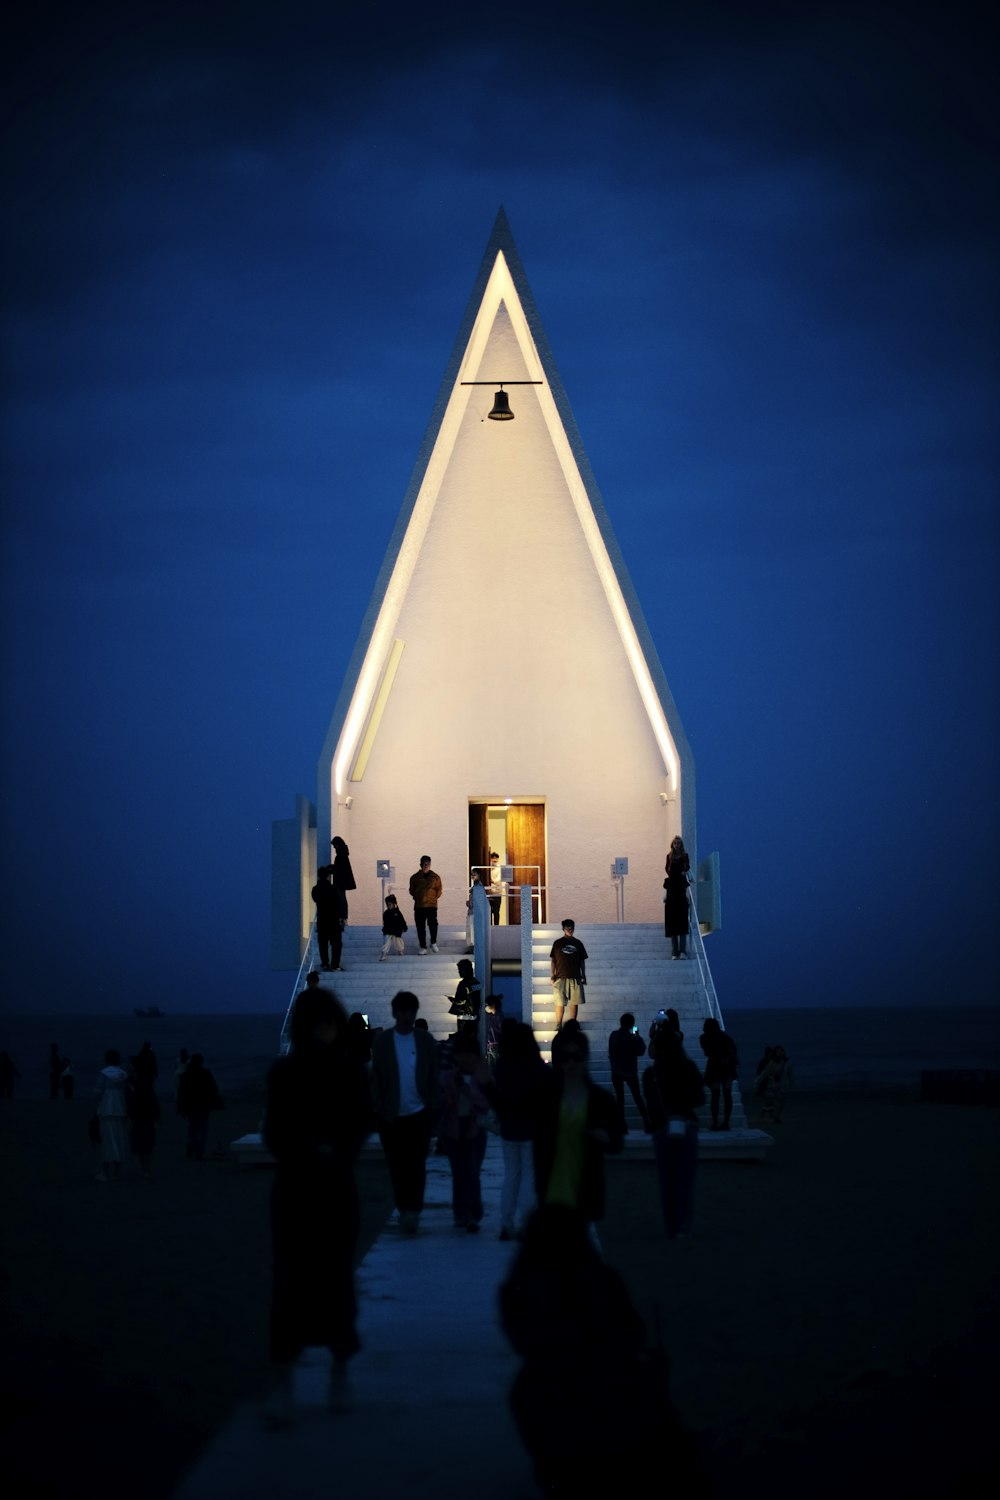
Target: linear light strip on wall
378	709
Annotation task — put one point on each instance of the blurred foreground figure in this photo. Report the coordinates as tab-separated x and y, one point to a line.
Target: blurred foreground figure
674	1093
316	1119
569	1316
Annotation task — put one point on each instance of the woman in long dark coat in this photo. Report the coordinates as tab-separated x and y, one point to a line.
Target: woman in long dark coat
341	875
675	908
317	1116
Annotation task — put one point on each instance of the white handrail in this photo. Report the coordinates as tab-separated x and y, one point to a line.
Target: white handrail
300	984
708	983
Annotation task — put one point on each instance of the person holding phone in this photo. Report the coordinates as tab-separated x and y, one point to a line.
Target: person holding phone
625	1047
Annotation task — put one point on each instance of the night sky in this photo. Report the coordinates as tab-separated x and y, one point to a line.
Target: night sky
239	243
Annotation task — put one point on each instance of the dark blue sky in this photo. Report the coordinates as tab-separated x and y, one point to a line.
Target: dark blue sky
239	243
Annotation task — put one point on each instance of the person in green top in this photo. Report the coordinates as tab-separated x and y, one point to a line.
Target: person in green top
577	1123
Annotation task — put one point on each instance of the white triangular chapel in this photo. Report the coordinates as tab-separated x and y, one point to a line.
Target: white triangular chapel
504	662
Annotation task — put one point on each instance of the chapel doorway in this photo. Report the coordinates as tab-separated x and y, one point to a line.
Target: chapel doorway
516	832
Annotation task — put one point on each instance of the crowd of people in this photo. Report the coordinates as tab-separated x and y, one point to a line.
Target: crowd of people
555	1124
125	1103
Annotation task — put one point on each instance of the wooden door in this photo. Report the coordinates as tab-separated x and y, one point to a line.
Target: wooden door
526	852
479	849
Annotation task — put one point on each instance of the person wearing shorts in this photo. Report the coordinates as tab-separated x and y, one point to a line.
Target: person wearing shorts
568	972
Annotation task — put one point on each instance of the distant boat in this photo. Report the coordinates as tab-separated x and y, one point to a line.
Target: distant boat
148	1012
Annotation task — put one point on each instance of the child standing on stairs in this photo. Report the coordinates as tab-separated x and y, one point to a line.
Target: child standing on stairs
393	927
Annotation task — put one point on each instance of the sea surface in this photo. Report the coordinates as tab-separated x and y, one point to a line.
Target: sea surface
876	1048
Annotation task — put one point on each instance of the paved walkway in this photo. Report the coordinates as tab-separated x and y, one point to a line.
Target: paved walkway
430	1384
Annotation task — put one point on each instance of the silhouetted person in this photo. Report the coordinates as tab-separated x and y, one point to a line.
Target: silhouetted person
625	1047
358	1039
405	1093
329	923
721	1066
518	1077
494	1021
67	1080
198	1097
673	1020
569	1317
144	1064
772	1084
468	992
144	1108
111	1111
341	875
674	1092
317	1116
8	1073
576	1122
461	1132
675	906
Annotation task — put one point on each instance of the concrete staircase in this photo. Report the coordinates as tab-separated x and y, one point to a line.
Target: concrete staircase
629	968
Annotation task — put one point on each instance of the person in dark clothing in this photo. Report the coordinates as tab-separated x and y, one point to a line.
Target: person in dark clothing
513	1092
468	993
329	920
461	1132
675	907
674	1091
316	1119
144	1108
404	1081
576	1122
358	1038
144	1064
721	1067
494	1024
625	1047
341	876
197	1097
569	1317
393	927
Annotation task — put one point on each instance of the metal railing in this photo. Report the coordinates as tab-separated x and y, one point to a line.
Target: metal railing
512	888
299	986
701	957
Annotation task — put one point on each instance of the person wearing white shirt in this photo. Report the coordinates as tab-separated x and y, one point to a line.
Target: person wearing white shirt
404	1089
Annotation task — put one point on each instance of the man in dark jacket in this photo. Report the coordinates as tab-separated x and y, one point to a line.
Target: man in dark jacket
405	1096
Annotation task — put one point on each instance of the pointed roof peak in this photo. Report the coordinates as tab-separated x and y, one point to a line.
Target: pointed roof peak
501	236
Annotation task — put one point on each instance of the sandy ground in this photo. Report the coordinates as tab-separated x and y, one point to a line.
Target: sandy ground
831	1324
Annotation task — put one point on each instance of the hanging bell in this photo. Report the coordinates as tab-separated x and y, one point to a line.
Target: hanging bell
501	408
